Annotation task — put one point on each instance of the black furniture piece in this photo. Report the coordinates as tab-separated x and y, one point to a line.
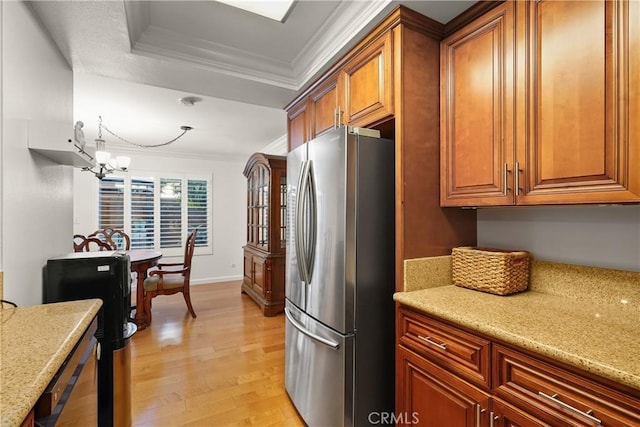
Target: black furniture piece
105	275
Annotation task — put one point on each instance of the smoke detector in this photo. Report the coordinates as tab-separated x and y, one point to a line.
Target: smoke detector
190	101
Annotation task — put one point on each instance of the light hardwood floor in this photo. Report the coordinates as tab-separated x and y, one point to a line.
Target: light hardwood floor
226	367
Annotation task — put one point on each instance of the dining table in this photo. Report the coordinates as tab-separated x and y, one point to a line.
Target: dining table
141	261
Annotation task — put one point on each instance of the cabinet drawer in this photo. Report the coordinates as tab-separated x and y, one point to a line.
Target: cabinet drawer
558	396
464	354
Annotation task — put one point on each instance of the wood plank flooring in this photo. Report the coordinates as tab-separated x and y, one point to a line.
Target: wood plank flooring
226	367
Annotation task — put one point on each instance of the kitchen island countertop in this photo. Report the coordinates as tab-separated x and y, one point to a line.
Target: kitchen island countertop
34	343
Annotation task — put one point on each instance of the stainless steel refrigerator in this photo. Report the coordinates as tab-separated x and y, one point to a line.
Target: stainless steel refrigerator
339	359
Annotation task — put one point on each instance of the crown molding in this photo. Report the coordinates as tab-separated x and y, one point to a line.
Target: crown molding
343	25
166	44
277	147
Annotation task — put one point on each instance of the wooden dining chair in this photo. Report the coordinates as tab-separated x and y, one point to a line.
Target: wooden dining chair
93	244
78	240
117	239
171	278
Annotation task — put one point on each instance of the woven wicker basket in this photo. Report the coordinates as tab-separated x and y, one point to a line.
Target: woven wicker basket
490	270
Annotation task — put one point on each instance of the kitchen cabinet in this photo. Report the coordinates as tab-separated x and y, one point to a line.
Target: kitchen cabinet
298	125
389	81
431	396
326	109
433	377
538	104
367	84
264	253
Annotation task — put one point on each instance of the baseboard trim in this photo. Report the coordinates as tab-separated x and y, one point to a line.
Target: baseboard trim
215	280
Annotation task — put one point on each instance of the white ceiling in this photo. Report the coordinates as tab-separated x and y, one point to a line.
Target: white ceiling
134	60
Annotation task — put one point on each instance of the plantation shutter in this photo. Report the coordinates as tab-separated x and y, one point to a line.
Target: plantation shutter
197	209
142	213
111	203
170	213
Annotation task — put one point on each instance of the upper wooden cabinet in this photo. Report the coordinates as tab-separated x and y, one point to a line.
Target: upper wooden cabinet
325	107
359	94
477	110
366	84
298	125
540	102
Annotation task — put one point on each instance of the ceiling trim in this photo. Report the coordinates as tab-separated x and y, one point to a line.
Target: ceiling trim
166	44
342	26
277	147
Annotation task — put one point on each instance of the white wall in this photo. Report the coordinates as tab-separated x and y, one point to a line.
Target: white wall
228	209
603	236
36	196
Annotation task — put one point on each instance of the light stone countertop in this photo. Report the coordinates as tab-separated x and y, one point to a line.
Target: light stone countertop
34	342
586	317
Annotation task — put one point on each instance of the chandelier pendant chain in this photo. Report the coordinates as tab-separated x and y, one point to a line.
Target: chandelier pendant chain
185	129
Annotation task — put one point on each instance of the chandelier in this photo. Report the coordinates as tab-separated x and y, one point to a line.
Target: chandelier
105	163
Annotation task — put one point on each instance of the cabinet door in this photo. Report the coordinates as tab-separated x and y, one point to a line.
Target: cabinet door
505	415
247	270
367	84
259	275
430	396
579	142
298	124
325	107
477	112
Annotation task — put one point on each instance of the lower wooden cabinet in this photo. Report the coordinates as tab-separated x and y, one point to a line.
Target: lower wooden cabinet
435	386
428	395
263	280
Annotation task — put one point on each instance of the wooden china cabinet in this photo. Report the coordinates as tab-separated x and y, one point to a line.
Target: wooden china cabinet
264	253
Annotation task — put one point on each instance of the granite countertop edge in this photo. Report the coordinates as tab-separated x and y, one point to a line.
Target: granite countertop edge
552	334
25	378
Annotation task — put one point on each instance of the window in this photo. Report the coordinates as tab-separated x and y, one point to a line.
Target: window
156	211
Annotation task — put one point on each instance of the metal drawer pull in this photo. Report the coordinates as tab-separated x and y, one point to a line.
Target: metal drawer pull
492	419
554	399
479	412
430	341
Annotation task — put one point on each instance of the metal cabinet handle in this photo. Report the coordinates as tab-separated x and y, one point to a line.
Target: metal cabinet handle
516	171
492	419
555	399
479	412
505	173
430	341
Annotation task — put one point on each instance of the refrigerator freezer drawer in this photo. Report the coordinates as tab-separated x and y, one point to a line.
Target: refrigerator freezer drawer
318	370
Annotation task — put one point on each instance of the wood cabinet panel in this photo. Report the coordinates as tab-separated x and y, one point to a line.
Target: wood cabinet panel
578	145
504	415
298	125
466	354
435	397
477	109
557	396
539	100
367	84
325	107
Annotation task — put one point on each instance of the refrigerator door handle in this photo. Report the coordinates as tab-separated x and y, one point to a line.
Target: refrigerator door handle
300	327
300	253
313	221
